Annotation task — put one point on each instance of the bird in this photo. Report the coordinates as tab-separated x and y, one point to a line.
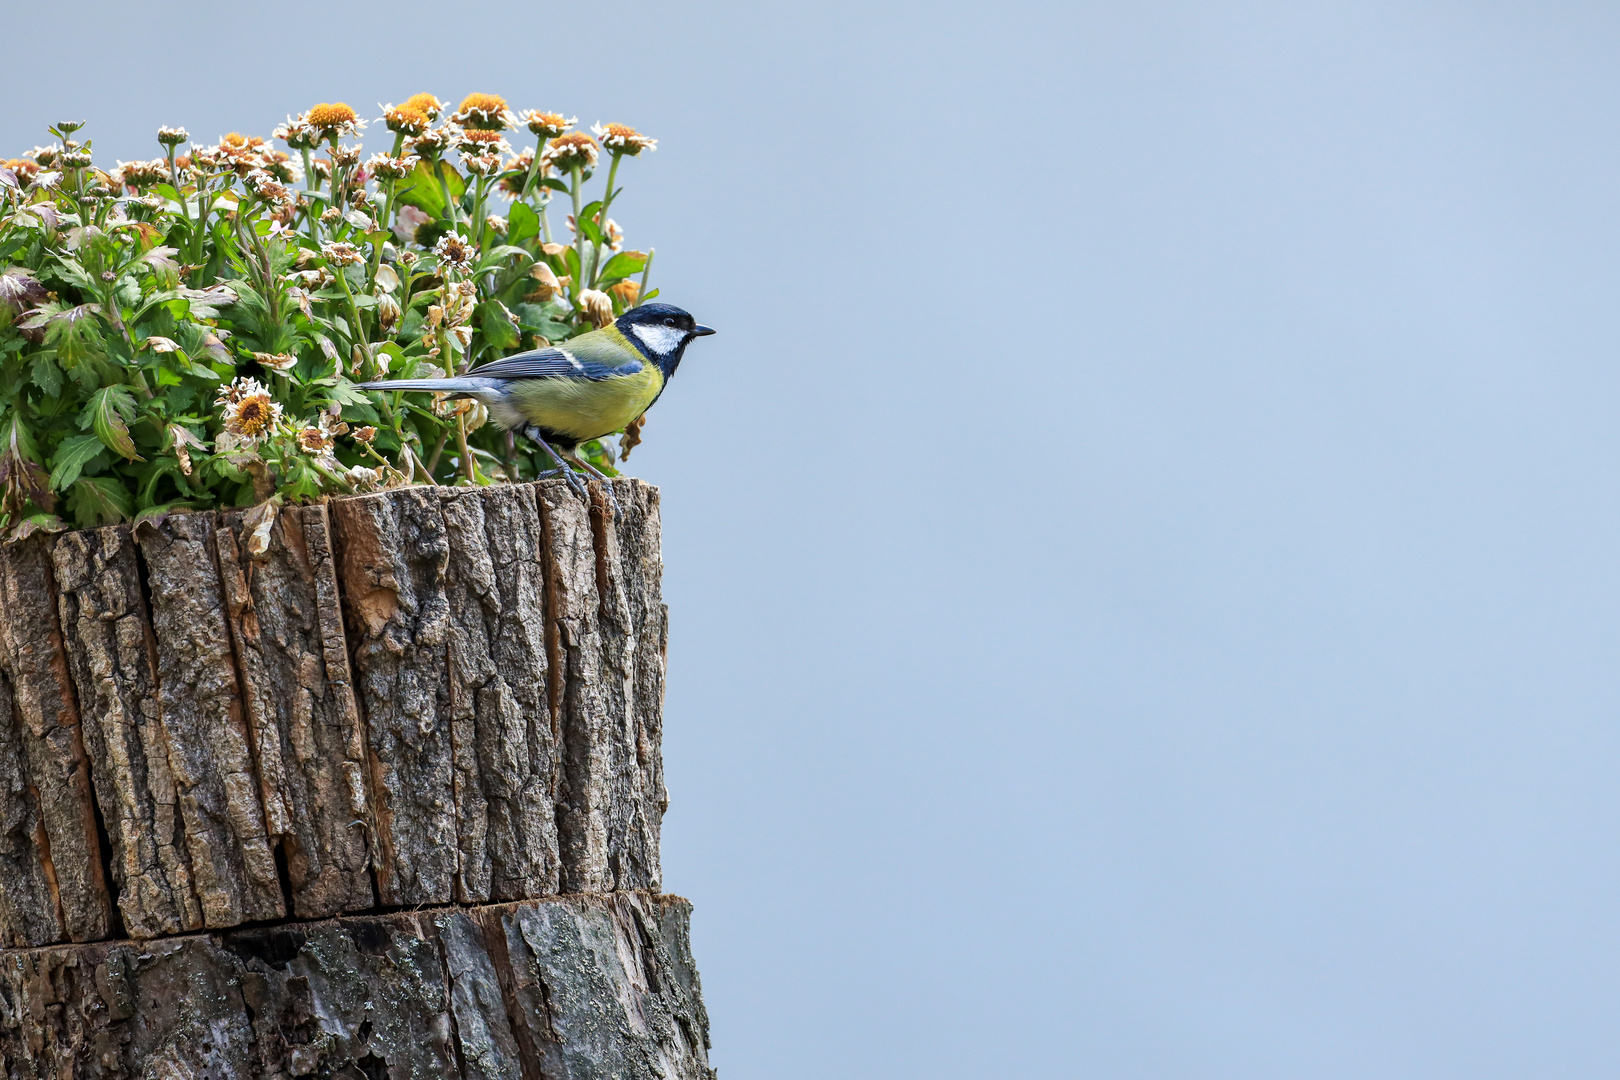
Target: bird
583	389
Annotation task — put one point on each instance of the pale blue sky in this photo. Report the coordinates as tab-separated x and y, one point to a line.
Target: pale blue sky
1143	546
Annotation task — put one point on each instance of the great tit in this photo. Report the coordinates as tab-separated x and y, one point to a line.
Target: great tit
587	387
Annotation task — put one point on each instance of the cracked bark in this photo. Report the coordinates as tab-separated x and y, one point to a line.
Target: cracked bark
233	872
286	625
113	658
601	985
52	887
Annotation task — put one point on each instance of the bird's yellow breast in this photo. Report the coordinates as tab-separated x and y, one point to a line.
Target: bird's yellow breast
588	408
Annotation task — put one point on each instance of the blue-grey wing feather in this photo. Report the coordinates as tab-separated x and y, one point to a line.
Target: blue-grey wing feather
552	363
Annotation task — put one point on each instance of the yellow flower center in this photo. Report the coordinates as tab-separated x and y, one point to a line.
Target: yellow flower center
327	115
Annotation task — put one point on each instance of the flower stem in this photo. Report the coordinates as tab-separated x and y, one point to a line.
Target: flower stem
646	270
602	228
579	231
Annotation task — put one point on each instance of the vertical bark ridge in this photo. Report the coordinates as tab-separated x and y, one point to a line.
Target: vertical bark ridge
210	754
393	552
113	659
585	791
506	751
286	627
632	622
50	813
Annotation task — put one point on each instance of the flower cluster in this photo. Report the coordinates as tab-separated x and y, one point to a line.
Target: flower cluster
187	330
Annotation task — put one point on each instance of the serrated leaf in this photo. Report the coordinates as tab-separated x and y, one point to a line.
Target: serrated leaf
98	500
108	412
46	375
71	457
498	325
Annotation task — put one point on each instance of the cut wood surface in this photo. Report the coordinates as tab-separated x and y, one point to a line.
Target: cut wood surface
568	988
420	696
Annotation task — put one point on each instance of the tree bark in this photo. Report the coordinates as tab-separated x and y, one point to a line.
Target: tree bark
567	988
53	887
428	697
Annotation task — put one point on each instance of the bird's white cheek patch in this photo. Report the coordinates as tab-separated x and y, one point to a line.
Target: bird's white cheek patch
660	339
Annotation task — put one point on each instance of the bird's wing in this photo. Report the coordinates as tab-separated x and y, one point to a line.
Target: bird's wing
583	363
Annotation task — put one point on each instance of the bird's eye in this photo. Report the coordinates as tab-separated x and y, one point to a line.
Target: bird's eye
669	322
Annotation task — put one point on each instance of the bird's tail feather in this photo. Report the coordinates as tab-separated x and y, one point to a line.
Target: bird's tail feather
441	386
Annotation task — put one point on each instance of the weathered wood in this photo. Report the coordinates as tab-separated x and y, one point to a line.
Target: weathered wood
393	550
633	633
232	869
585	792
286	624
559	989
52	884
113	657
506	745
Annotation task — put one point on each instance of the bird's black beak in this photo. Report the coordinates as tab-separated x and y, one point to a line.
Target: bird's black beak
702	331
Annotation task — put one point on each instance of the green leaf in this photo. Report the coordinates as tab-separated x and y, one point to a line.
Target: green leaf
586	225
536	320
624	264
72	456
421	188
497	324
109	411
571	264
99	500
47	376
522	224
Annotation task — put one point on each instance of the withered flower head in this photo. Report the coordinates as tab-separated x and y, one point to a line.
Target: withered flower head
298	133
623	139
546	283
478	141
426	104
268	188
547	125
141	175
454	252
433	142
74	159
26	170
282	362
388	311
330	215
406	120
566	153
481	164
44	156
323	168
365	434
486	111
172	136
342	254
250	412
627	291
234	139
315	440
597	306
346	156
281	166
333	119
384	167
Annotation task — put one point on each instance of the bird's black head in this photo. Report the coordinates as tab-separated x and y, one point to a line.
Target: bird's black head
661	332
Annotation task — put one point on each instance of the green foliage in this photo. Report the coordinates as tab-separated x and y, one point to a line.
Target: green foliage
188	331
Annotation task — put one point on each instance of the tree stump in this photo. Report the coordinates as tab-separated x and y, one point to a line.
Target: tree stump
369	788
